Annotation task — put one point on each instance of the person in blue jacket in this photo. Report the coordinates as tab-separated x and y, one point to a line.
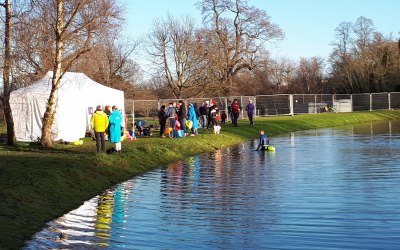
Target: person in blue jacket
115	120
192	116
263	140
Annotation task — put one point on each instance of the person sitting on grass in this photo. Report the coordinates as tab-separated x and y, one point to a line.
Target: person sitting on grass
263	140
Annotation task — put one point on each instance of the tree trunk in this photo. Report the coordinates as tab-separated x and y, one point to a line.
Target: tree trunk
10	122
48	118
6	75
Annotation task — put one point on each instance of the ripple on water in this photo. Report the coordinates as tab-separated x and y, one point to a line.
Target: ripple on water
322	189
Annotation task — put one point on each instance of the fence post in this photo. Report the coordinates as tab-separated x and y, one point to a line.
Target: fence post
370	102
255	106
226	108
315	104
291	105
390	106
241	102
351	103
333	103
133	112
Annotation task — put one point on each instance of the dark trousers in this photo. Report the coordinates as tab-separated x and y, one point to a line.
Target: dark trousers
235	118
162	128
100	143
209	121
250	118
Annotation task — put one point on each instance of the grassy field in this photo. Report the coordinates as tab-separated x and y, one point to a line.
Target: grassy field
39	185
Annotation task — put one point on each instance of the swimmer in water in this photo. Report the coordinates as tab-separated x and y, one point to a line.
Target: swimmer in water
263	140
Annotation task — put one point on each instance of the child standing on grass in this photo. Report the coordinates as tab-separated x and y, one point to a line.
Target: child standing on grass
223	117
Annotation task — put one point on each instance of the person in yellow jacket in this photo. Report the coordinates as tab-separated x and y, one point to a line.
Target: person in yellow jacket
99	123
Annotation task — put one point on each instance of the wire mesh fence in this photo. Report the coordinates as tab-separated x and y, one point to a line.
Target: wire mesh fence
282	104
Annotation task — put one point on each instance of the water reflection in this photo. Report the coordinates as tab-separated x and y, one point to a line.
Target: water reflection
88	226
329	188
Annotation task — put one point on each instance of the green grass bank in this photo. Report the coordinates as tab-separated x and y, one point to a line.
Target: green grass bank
38	185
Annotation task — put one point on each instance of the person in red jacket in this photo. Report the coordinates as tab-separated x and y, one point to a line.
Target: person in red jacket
236	111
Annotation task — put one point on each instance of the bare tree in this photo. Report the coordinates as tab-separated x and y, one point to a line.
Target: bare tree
7	87
237	32
175	55
341	55
344	41
363	60
281	73
309	74
110	62
364	31
76	24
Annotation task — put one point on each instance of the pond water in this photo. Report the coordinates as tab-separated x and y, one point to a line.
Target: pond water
335	188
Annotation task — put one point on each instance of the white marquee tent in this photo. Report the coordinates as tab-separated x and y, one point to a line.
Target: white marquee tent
78	97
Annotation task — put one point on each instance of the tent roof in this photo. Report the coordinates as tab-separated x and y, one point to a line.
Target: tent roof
70	81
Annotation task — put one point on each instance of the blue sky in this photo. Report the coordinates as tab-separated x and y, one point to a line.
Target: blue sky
308	24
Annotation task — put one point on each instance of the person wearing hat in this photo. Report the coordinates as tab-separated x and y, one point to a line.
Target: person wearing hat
115	120
99	122
192	116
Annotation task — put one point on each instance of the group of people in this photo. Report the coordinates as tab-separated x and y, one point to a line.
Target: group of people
234	111
178	120
181	119
107	121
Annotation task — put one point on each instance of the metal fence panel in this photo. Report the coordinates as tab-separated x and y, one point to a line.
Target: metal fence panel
283	104
394	100
311	104
379	101
142	108
342	103
361	102
272	105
